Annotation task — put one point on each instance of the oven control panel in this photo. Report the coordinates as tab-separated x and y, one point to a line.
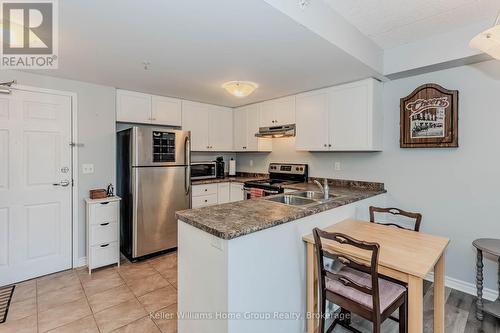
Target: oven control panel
294	169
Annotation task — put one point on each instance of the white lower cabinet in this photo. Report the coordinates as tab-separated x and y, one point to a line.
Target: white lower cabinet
103	232
204	200
212	194
224	193
237	193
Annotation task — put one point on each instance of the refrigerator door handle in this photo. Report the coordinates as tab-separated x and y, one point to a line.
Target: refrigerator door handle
187	160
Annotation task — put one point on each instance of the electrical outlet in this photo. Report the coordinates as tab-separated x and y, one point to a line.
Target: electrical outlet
337	166
87	168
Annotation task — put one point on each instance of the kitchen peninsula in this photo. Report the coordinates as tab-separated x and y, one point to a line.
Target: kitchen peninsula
246	260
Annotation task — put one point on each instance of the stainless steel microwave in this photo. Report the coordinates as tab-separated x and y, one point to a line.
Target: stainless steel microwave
203	170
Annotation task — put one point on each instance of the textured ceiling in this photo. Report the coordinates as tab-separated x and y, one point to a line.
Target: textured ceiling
194	46
395	22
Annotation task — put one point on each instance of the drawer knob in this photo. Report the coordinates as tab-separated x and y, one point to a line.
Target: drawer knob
104	245
206	200
103	224
104	203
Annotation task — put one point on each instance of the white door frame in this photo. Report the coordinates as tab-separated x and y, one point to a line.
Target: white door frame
74	161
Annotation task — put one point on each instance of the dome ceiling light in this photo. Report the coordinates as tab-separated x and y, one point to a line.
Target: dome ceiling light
240	88
488	41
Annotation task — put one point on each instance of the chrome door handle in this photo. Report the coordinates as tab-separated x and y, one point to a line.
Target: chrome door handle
63	183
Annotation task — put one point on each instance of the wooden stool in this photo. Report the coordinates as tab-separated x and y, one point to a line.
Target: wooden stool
491	246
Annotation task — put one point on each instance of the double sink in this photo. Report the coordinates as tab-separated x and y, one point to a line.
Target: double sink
301	199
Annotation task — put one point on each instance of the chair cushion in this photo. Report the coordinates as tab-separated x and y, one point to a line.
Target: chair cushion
389	291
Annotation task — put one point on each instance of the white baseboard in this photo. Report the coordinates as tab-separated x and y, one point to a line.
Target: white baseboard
81	262
466	287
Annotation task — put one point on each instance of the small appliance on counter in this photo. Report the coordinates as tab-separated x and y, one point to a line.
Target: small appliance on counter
203	170
220	166
232	167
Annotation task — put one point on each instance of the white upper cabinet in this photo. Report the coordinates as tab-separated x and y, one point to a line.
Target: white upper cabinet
356	117
211	126
312	120
246	125
240	129
342	118
195	119
280	111
166	111
220	130
134	107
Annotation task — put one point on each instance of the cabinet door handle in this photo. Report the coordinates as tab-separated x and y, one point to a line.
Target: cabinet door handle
104	245
325	145
329	145
103	224
206	200
104	203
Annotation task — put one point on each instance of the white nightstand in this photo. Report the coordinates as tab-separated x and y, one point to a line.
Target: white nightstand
103	232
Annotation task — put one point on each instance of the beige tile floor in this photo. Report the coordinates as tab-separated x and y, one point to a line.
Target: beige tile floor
135	297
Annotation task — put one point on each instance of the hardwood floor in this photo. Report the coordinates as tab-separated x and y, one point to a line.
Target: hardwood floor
460	316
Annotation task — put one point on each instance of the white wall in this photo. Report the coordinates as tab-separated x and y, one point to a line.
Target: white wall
456	190
96	131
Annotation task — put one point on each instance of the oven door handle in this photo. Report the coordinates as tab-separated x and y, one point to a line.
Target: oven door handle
248	190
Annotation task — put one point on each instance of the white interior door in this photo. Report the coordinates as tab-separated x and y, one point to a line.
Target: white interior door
35	214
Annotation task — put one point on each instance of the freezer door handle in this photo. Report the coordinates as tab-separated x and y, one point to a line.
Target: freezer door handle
187	160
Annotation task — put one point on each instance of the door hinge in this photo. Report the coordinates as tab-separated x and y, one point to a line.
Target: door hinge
74	144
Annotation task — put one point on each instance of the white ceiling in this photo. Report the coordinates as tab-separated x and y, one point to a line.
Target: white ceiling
391	23
194	46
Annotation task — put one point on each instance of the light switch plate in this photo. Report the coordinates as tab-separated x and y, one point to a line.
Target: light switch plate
337	166
87	168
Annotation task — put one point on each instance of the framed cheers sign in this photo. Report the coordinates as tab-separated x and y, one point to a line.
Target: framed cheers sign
429	118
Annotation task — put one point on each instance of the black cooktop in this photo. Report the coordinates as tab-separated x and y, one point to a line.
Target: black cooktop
269	183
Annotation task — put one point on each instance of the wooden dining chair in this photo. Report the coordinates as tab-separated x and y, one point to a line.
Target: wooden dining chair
417	217
356	286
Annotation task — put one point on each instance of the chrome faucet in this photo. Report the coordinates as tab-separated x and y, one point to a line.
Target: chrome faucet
324	188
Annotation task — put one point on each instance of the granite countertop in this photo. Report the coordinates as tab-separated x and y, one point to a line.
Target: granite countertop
231	220
228	179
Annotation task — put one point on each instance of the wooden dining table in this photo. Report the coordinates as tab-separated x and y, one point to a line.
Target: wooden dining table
405	255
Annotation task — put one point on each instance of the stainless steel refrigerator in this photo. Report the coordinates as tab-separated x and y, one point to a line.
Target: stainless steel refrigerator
153	180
